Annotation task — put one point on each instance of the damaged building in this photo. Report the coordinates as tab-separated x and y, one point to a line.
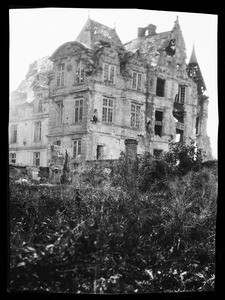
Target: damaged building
98	92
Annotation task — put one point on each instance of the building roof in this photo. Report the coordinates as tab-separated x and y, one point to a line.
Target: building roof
150	46
193	58
93	32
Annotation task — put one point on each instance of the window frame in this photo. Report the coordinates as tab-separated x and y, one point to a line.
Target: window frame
37	131
108	76
136	81
135	118
77	149
14	134
79	74
79	108
108	110
182	92
60	75
35	157
11	158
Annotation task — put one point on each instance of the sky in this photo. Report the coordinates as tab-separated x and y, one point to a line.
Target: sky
35	33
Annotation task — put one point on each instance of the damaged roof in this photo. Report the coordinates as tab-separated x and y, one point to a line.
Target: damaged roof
150	46
93	32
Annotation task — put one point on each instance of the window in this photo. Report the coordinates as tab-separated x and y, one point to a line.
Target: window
60	75
39	106
78	110
136	82
58	142
76	148
37	159
109	73
180	98
197	126
107	110
59	113
12	158
158	122
179	135
100	152
79	74
37	131
13	133
160	87
135	115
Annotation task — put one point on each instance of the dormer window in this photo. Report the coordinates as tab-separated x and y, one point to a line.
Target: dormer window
79	74
136	81
60	75
109	73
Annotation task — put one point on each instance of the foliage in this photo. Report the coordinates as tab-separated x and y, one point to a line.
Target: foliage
118	234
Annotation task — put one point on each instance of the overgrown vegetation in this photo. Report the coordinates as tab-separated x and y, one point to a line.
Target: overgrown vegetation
139	227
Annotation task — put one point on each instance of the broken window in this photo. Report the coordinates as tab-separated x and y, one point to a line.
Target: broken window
14	133
158	130
136	81
76	148
135	116
160	87
12	158
171	48
37	159
78	110
60	75
107	110
180	97
158	122
79	74
59	113
179	135
157	152
109	73
37	131
100	152
179	116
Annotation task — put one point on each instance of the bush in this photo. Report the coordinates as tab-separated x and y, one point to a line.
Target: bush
123	233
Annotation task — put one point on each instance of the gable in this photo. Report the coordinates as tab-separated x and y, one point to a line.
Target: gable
67	49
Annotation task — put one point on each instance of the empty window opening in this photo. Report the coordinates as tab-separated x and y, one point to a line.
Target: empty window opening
179	116
107	110
76	148
79	107
135	116
12	158
58	142
158	130
100	152
179	135
37	159
158	115
157	152
171	48
160	87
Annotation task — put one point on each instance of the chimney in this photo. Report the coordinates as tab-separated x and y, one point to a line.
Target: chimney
131	148
146	31
151	29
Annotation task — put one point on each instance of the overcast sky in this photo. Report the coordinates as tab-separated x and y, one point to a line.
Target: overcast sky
35	33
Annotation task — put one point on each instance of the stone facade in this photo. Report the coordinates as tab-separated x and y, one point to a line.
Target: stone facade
99	92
